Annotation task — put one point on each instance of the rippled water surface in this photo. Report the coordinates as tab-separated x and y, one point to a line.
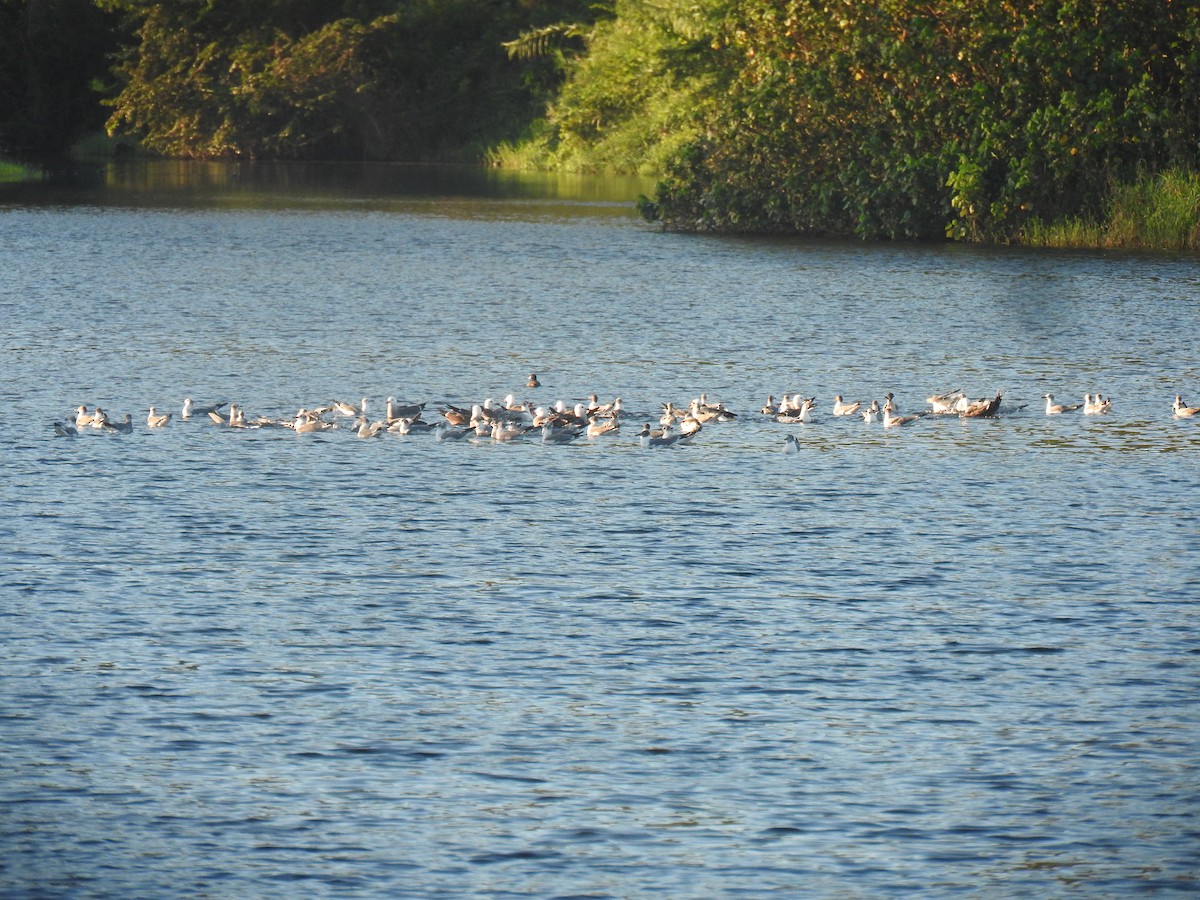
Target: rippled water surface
953	659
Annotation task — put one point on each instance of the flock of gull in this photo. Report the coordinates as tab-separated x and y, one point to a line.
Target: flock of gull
560	423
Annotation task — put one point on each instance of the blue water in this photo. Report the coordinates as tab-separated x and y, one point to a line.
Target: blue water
953	659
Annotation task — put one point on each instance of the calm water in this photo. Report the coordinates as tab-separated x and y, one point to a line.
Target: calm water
954	659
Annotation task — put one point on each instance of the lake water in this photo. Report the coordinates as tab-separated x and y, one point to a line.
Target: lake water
958	658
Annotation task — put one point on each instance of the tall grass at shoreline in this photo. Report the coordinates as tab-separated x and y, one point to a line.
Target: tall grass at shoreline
12	171
1157	212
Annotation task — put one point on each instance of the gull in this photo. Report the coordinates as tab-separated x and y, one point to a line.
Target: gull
408	411
83	418
65	429
769	408
1181	410
871	413
154	420
790	444
982	409
308	422
664	438
502	433
552	435
190	408
99	420
369	429
409	426
948	402
596	428
349	409
892	421
455	415
1096	406
799	410
125	426
604	410
1056	409
841	408
444	432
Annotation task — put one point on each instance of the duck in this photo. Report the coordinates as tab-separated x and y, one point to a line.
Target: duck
154	420
1056	409
532	381
842	408
1181	410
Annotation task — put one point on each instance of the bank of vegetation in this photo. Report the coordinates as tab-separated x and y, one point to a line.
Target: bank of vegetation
1052	122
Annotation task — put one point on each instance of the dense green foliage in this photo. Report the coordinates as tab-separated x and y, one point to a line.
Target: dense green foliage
632	99
919	119
973	119
416	80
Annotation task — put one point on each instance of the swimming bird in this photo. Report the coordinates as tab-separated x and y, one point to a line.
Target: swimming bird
769	408
1056	409
664	438
503	432
800	410
604	410
893	421
1181	410
367	429
309	422
349	409
552	435
596	427
65	429
409	426
790	444
982	409
1096	406
443	432
455	415
407	411
533	381
948	402
154	420
190	409
842	408
83	418
871	413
